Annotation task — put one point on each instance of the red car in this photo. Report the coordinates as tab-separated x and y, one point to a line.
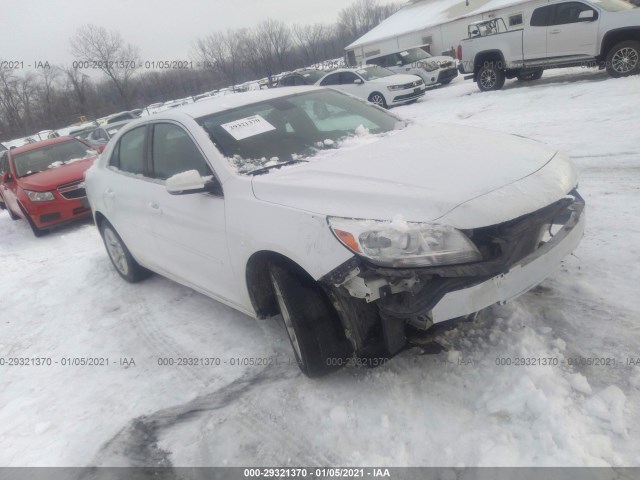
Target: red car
44	182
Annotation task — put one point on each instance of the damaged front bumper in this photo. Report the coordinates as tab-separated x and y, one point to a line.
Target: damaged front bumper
518	256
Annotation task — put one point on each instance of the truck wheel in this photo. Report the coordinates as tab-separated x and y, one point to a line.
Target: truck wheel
314	329
624	59
490	77
530	76
120	256
378	99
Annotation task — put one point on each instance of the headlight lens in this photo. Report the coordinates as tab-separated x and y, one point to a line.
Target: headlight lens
395	87
403	244
39	196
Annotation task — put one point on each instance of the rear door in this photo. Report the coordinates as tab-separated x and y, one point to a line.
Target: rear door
127	188
572	32
534	42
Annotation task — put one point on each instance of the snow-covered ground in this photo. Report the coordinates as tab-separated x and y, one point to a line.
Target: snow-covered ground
60	298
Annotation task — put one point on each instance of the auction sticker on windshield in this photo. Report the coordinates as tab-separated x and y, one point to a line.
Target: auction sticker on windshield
247	127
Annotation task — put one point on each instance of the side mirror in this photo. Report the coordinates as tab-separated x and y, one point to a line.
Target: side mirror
358	81
191	181
587	16
6	178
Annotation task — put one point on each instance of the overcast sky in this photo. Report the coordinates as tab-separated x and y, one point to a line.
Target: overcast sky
39	30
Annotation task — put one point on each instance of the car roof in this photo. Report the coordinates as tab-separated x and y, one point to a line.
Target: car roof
40	144
228	102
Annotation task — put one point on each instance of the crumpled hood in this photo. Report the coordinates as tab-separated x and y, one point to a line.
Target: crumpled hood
425	173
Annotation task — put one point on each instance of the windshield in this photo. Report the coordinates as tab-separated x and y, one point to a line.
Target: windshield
51	156
374	72
294	127
413	55
614	5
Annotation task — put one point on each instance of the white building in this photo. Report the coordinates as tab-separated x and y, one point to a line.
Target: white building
435	25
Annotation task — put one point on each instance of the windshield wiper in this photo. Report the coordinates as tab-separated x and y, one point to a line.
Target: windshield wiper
263	170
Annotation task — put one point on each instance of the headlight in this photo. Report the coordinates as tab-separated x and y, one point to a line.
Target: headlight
395	87
403	244
39	196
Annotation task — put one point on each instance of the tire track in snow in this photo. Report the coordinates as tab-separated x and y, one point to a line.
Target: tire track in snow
142	321
136	445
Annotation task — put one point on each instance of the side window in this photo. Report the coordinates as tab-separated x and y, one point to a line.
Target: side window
333	79
4	163
173	152
287	81
347	78
542	16
299	80
515	20
569	12
128	156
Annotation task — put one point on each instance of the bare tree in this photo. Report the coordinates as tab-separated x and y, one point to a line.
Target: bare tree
110	54
363	15
311	40
219	52
79	83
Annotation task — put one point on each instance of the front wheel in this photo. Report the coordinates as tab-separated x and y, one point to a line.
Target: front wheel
120	256
378	99
623	59
314	329
490	77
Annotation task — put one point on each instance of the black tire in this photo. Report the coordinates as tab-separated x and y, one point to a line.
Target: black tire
623	59
11	214
378	99
447	82
312	324
490	77
38	232
530	76
120	256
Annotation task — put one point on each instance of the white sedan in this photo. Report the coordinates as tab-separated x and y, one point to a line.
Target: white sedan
353	225
376	84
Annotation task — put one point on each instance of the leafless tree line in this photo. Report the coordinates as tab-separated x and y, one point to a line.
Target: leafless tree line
56	96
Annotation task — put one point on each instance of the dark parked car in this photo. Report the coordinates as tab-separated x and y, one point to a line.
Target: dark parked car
99	137
302	77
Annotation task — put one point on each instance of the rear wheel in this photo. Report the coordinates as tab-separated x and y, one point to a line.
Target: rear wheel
490	77
120	256
624	59
314	329
378	99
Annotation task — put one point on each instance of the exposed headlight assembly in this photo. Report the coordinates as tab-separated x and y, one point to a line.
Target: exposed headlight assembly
39	196
404	244
395	87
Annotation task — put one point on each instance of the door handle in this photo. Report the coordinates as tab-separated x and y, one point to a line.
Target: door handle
554	32
110	193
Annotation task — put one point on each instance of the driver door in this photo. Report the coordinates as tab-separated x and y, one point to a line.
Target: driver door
190	230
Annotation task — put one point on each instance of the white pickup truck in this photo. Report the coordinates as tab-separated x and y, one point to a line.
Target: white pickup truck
552	34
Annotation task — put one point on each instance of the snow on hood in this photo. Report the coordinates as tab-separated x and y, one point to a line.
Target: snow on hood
424	173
